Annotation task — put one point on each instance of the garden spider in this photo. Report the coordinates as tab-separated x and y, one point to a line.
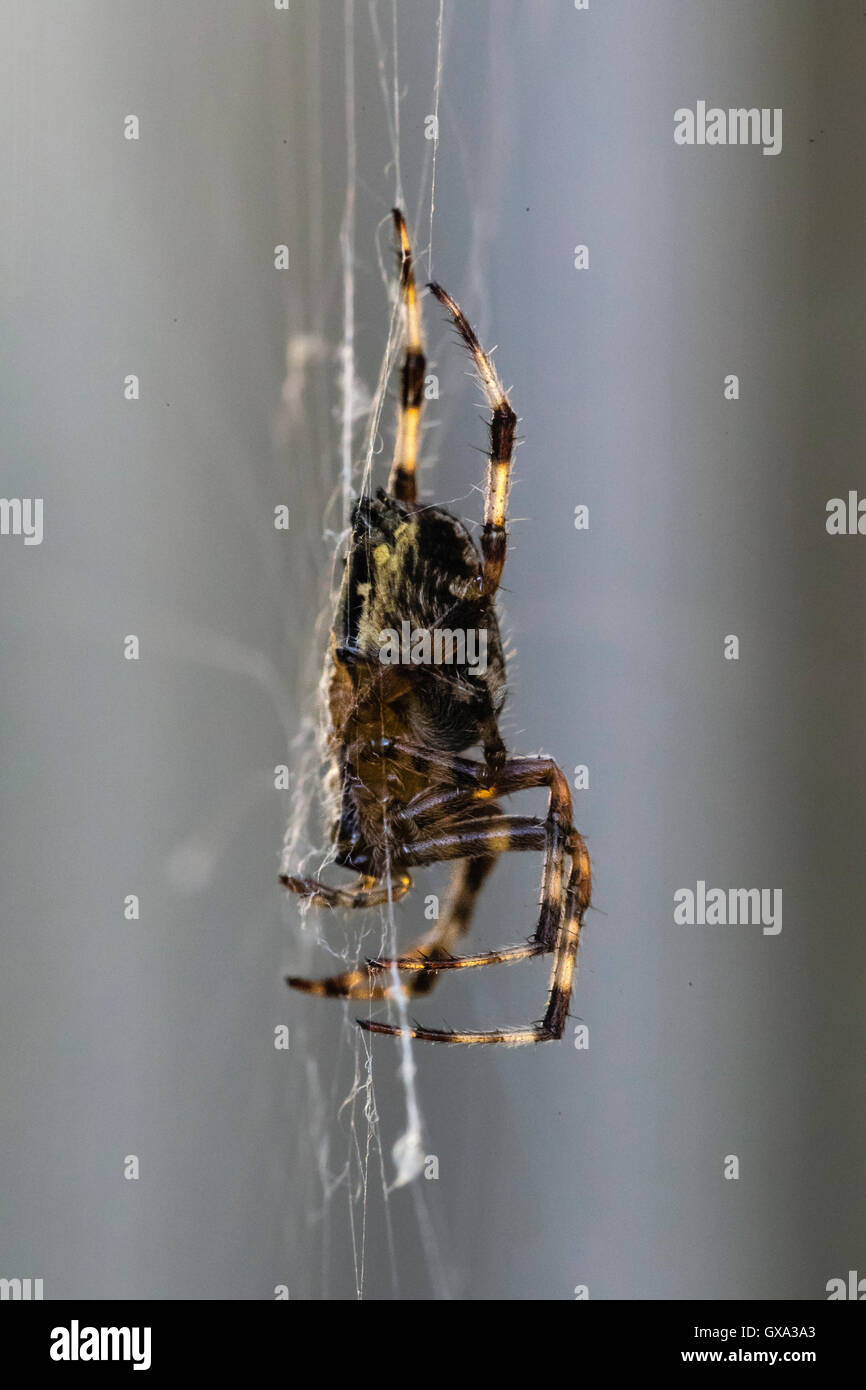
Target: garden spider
403	795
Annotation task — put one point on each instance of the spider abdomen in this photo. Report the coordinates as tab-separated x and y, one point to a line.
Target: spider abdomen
413	628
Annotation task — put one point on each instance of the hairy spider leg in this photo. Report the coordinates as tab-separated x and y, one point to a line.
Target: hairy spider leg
402	480
503	423
497	834
552	1026
518	774
370	892
367	892
438	944
368	983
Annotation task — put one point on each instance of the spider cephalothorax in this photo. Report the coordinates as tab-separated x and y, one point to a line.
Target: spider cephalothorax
416	678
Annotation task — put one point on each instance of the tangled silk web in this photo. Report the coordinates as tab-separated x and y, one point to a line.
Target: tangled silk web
360	424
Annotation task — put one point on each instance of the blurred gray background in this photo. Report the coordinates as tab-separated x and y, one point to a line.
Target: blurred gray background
557	1167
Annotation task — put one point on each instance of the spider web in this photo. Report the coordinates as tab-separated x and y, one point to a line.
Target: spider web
364	435
353	1144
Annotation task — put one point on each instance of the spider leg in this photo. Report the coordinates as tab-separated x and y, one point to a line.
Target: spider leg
483	840
429	964
577	899
512	1037
552	1026
498	835
437	815
368	892
479	845
503	423
437	946
352	984
401	481
518	774
558	928
369	983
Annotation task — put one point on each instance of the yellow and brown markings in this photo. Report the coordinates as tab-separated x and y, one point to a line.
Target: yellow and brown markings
503	423
402	482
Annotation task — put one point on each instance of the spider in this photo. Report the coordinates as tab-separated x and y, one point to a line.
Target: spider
404	793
